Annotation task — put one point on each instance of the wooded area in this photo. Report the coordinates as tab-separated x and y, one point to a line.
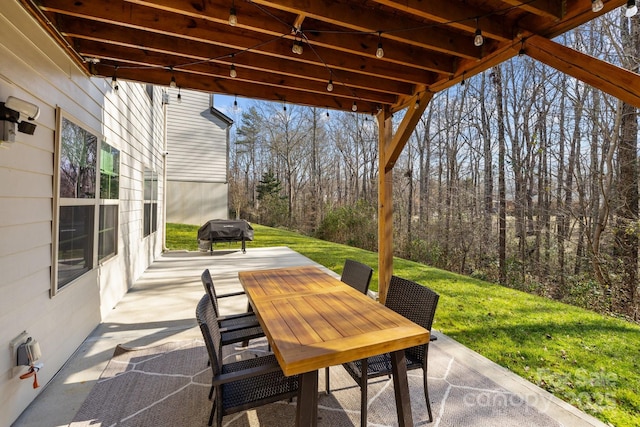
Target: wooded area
520	175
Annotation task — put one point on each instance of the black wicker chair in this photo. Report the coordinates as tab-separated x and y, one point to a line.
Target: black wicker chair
242	385
358	276
418	304
236	328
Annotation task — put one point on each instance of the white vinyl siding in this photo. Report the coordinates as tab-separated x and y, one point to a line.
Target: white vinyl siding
196	139
35	69
197	160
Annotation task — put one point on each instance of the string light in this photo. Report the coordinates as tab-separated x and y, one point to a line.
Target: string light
417	104
478	40
114	79
597	5
235	103
233	18
297	47
172	83
632	9
379	51
179	97
232	72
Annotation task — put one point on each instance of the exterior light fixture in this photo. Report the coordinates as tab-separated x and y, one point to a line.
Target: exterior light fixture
597	5
354	107
330	86
232	72
179	97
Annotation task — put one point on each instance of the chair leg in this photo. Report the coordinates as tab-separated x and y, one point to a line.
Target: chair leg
326	380
426	394
364	381
213	408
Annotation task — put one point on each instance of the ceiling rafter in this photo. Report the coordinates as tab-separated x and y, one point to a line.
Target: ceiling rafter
428	46
410	31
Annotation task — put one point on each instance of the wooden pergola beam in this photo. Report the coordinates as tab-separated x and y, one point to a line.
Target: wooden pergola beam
390	147
609	78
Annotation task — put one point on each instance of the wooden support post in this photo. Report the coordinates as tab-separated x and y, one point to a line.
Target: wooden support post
385	206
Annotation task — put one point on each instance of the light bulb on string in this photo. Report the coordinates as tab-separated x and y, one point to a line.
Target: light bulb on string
297	47
114	79
417	104
478	40
235	103
330	86
172	83
179	97
596	5
632	9
354	107
232	72
233	18
379	51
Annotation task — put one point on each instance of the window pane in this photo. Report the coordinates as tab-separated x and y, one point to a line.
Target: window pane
109	172
150	202
147	219
75	242
154	217
77	162
108	231
148	184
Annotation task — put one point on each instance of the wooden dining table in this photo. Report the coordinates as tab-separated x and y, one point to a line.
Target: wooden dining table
313	320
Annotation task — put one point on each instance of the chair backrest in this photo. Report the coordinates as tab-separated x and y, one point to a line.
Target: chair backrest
357	275
210	332
415	302
207	282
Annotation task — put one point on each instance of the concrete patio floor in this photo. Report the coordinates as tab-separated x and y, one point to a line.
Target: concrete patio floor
161	306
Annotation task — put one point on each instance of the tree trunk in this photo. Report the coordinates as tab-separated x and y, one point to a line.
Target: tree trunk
502	221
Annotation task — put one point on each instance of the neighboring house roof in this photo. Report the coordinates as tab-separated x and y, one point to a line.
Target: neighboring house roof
219	114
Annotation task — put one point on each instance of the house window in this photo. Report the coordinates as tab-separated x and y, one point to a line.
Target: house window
87	206
150	202
109	195
77	179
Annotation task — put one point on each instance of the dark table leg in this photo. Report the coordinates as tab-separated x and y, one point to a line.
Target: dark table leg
401	387
307	405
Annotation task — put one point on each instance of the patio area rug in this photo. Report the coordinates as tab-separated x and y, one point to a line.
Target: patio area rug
168	385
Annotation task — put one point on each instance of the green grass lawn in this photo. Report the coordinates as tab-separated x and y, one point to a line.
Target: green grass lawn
584	358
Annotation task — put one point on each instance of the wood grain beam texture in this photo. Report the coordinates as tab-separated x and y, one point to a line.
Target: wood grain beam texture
320	33
616	81
355	17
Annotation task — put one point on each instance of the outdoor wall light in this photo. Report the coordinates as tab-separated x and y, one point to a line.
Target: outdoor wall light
13	114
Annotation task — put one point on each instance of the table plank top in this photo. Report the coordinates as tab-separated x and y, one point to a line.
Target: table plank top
313	320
